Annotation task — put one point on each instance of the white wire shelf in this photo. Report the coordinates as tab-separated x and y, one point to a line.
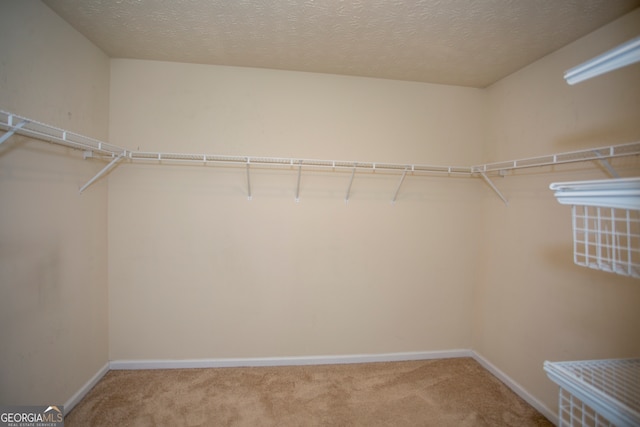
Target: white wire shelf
605	222
623	193
611	151
15	124
296	162
625	54
597	392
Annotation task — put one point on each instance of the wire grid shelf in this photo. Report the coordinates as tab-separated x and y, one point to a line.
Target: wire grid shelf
573	412
597	393
606	223
607	239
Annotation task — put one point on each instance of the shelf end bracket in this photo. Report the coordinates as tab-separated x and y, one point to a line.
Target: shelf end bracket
12	130
605	163
493	187
104	170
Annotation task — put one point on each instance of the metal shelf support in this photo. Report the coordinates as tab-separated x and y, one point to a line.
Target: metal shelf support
248	179
494	188
395	195
353	174
13	129
104	170
298	186
605	163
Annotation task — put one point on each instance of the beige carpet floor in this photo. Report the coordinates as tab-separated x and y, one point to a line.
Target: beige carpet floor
445	392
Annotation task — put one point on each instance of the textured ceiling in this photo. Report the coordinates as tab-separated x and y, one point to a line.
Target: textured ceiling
459	42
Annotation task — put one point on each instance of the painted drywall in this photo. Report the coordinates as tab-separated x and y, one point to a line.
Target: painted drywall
198	271
53	241
531	302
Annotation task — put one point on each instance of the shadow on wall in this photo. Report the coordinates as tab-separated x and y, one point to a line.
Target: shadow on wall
559	256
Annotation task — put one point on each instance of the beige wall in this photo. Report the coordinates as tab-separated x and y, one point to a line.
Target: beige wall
198	271
532	303
53	265
195	270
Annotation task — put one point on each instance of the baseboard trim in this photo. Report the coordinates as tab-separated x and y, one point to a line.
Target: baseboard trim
77	397
285	361
516	388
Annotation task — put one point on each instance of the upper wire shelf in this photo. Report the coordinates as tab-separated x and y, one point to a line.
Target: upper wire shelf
600	153
15	124
293	162
32	128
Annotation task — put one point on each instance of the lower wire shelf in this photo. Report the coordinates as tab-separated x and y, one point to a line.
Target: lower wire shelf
597	393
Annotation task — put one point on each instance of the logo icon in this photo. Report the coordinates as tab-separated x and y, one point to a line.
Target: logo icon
53	408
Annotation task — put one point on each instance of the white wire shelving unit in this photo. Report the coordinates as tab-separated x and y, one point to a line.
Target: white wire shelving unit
605	222
597	393
114	155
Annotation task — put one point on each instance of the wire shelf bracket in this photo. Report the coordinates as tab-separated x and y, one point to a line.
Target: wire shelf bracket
353	174
298	185
104	170
395	195
494	188
13	129
605	163
248	179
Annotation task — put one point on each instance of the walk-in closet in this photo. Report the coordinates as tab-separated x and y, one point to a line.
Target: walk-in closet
395	196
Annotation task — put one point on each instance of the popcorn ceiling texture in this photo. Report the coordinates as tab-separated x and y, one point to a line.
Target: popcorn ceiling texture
459	42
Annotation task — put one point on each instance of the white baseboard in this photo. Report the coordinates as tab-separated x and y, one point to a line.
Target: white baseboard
517	388
77	397
285	361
